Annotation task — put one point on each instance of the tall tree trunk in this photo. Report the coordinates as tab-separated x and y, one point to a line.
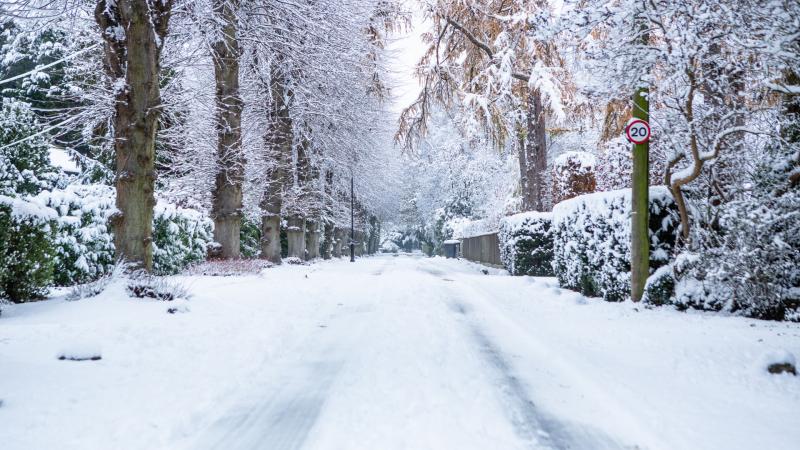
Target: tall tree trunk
533	155
227	196
328	238
132	59
312	238
278	143
295	235
339	236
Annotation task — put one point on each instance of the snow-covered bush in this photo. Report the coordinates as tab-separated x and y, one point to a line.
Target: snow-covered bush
180	237
83	241
96	287
24	161
592	240
144	285
26	250
660	286
615	165
526	244
750	264
573	175
250	238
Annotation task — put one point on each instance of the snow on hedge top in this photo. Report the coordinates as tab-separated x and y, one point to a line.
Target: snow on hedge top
27	209
584	159
599	202
518	220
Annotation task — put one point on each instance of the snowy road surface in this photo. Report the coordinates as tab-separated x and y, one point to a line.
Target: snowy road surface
392	352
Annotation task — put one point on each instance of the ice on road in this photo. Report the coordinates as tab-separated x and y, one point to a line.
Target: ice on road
391	352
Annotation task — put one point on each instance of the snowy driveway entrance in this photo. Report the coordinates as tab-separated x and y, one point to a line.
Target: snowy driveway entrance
392	352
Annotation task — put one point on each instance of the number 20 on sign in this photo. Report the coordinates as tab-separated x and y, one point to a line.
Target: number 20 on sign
638	131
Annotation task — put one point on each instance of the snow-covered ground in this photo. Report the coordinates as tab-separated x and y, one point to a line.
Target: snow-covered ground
392	352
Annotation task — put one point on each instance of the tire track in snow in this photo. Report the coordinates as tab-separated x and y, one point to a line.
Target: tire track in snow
283	412
284	420
535	427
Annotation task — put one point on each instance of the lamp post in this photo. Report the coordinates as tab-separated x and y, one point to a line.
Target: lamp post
352	221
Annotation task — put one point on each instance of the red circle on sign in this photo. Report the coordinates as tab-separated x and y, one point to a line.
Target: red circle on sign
638	139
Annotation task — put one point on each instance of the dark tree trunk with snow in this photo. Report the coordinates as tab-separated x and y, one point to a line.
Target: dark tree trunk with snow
278	142
533	156
132	59
227	196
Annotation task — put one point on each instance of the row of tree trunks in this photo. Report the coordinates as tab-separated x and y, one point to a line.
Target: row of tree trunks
227	196
133	62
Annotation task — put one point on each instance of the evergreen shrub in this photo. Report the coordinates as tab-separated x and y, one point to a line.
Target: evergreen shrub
592	237
181	237
26	249
526	244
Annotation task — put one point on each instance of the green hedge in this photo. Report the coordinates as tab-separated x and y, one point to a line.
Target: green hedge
526	244
180	238
26	249
83	241
250	238
592	241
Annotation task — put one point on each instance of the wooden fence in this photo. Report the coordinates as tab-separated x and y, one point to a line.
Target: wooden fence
484	249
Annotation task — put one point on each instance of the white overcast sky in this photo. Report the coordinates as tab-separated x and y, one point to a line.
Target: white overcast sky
405	49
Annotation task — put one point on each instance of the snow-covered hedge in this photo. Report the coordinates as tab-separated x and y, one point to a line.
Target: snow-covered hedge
180	237
63	237
592	240
83	241
250	238
24	160
26	249
526	243
573	175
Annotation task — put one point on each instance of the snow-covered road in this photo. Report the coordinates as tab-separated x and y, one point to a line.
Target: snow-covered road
392	352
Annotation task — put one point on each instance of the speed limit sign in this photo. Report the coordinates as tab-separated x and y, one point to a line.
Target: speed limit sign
638	131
